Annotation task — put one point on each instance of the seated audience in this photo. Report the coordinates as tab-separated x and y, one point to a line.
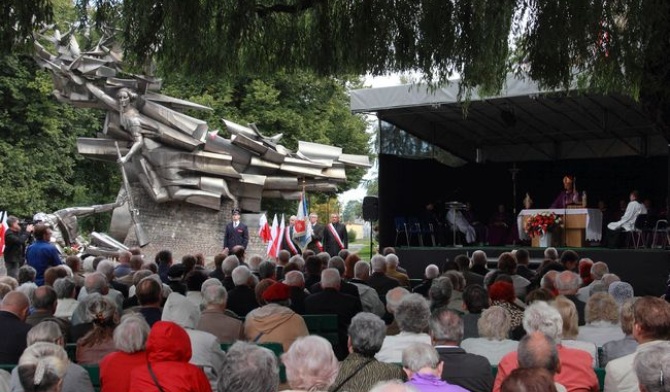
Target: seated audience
213	318
621	292
393	298
431	272
392	263
205	348
479	264
98	342
349	264
522	264
529	380
538	351
76	378
369	297
652	364
440	293
493	342
194	281
458	285
296	281
360	370
475	300
502	294
44	305
463	263
378	280
618	348
275	322
168	352
42	367
332	301
412	317
311	364
95	283
149	297
567	284
576	365
130	339
651	327
470	371
602	320
568	313
539	294
424	369
241	298
597	271
507	266
249	368
66	290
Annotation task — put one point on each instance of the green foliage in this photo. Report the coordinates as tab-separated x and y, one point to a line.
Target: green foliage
39	165
351	235
352	210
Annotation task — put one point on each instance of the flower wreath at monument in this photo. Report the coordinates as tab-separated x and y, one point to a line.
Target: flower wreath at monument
541	223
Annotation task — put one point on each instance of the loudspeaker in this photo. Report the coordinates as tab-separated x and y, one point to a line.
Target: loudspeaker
370	208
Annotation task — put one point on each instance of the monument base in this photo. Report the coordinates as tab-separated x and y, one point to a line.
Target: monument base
184	228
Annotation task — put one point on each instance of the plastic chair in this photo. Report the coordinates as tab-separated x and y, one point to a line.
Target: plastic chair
400	227
661	227
427	229
637	234
414	228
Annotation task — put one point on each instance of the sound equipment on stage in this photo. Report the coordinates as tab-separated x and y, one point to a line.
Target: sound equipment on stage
370	208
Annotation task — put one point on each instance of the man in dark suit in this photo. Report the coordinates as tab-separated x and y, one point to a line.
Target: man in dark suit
288	243
13	313
15	245
332	301
317	234
237	233
378	280
242	299
470	371
345	287
335	237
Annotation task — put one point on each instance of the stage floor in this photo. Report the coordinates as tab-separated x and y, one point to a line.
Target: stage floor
646	270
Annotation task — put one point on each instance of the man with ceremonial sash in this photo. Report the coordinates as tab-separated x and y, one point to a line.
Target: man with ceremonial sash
289	243
335	236
317	234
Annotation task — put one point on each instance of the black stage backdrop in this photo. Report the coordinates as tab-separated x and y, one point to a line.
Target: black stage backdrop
407	185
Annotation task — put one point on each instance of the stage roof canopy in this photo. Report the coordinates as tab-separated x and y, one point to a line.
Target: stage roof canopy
523	123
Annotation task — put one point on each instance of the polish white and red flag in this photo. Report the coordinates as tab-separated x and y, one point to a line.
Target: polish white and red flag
264	231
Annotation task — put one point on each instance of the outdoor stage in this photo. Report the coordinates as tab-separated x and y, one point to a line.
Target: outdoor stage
646	269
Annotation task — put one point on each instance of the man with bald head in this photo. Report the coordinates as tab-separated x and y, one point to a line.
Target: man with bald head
123	268
13	313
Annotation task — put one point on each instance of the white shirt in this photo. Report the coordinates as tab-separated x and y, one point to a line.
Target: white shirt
600	332
491	349
392	347
620	374
627	221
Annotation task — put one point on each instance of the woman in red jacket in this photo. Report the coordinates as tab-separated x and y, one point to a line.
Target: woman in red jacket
168	352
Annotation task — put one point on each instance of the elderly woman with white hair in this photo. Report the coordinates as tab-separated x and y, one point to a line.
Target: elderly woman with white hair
130	339
75	378
205	347
577	372
66	290
602	320
42	368
412	317
360	370
311	364
493	342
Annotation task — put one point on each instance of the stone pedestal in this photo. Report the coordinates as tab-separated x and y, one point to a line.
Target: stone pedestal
185	228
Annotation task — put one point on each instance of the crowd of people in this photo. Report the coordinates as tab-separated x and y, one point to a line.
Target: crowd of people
158	325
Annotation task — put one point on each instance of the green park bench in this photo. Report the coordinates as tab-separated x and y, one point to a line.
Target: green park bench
324	325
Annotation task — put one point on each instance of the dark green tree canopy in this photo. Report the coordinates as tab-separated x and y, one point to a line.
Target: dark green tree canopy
612	45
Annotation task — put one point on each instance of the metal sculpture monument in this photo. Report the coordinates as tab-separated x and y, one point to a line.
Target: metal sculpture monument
173	156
